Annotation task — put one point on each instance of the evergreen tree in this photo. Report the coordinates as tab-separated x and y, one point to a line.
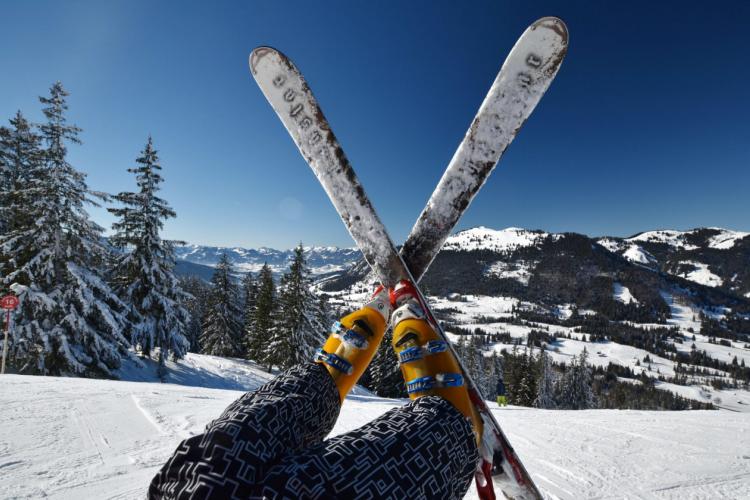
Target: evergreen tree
69	321
20	154
512	375
222	327
575	386
250	292
546	387
493	374
194	301
258	336
300	325
144	272
385	375
520	376
528	383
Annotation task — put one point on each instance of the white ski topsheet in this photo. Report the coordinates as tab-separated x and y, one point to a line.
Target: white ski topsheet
69	438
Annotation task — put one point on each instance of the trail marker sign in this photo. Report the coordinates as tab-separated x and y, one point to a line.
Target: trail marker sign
9	302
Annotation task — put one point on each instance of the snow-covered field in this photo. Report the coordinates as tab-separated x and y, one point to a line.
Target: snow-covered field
493	315
82	438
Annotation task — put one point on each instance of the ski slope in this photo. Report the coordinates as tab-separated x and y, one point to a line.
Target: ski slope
80	438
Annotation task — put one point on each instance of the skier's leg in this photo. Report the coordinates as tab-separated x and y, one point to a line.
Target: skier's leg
425	449
296	409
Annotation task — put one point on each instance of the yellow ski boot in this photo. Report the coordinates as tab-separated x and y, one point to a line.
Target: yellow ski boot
354	340
427	364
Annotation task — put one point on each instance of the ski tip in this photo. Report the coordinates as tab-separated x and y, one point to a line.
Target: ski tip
553	23
261	52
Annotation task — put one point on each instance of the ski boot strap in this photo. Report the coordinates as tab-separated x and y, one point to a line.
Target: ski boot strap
416	353
427	383
334	361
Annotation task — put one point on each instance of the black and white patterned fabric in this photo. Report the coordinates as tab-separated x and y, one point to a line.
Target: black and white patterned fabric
269	444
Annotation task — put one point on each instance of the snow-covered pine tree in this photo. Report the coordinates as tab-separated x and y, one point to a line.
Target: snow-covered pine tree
250	292
6	178
512	375
492	370
70	321
258	336
20	152
528	383
144	272
575	391
301	326
547	385
385	376
195	300
222	327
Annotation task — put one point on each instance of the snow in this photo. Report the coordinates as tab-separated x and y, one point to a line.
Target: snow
504	240
603	353
493	315
613	246
716	350
83	438
213	372
726	239
622	294
636	254
475	306
700	274
669	237
519	271
728	399
682	313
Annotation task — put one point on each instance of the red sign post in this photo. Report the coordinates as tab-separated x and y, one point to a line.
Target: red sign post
9	302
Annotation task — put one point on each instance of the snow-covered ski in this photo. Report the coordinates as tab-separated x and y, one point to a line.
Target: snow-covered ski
291	98
522	81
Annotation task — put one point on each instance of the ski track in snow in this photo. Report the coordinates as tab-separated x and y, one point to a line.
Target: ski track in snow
81	438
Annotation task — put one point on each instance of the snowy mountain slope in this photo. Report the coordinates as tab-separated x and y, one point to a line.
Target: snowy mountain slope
82	438
504	240
712	237
713	257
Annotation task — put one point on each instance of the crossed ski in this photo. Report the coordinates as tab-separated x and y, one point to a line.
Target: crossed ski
520	84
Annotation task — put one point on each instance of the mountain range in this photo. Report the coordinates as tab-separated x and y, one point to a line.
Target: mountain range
511	259
199	260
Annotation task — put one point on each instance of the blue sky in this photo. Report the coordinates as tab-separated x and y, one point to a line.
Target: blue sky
646	125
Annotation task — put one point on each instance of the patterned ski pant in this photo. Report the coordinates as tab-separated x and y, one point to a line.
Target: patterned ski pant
269	444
